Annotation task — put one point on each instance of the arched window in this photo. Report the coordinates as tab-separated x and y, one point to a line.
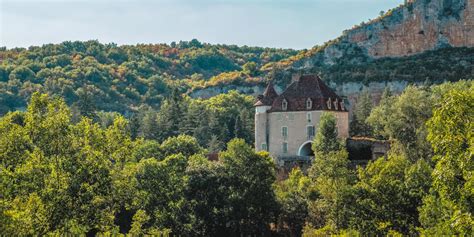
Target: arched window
284	104
342	105
309	103
329	103
335	104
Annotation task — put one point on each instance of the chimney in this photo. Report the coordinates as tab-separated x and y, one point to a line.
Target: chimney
296	76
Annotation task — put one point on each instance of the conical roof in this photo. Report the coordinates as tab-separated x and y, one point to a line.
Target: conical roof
268	96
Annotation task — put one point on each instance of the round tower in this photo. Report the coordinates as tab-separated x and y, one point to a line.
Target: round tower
262	106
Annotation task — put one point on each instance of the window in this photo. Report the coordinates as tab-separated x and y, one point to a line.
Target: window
264	147
335	104
309	103
284	147
284	104
342	105
284	132
310	131
308	117
329	103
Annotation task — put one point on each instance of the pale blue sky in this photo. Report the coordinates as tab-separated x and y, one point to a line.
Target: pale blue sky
274	23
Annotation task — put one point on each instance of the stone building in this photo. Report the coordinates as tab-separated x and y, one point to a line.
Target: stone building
285	124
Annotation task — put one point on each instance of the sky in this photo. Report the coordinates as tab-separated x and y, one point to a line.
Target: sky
293	24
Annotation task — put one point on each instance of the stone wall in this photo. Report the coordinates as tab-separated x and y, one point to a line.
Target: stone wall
297	123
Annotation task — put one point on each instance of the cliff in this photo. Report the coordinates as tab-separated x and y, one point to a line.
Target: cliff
410	29
419	26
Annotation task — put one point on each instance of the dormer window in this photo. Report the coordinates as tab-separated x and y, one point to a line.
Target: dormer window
335	104
284	104
329	103
309	104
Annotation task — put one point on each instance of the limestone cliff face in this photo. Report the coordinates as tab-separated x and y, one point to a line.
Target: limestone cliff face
410	44
414	28
417	27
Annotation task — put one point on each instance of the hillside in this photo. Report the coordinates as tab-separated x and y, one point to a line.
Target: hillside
423	41
122	78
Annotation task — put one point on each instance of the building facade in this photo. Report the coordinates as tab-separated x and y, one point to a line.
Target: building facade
285	124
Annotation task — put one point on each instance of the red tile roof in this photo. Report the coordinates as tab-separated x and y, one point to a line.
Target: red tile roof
268	96
298	92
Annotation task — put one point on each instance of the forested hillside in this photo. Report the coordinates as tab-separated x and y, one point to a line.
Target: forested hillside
421	41
122	78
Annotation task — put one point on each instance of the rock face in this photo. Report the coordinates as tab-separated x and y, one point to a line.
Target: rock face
416	27
379	48
419	26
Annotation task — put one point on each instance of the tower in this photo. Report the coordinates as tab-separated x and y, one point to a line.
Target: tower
263	104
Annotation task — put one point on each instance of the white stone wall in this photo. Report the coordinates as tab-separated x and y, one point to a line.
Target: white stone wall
260	126
297	123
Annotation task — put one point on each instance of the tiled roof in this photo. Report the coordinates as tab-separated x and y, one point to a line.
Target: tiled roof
268	96
299	91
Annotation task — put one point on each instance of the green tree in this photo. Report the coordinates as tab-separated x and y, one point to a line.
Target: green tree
86	104
326	139
250	68
250	177
149	127
448	210
380	114
387	195
170	116
293	195
182	144
361	112
332	180
403	119
22	73
161	186
207	195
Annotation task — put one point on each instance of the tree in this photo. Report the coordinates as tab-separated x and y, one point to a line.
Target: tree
332	180
249	181
161	186
170	116
250	68
293	195
387	195
448	210
326	139
22	73
362	110
403	118
380	114
206	193
86	104
182	144
149	127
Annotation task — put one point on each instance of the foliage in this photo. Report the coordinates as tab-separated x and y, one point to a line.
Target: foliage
118	78
293	195
326	139
63	178
387	195
403	118
361	112
251	176
67	175
332	179
448	210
